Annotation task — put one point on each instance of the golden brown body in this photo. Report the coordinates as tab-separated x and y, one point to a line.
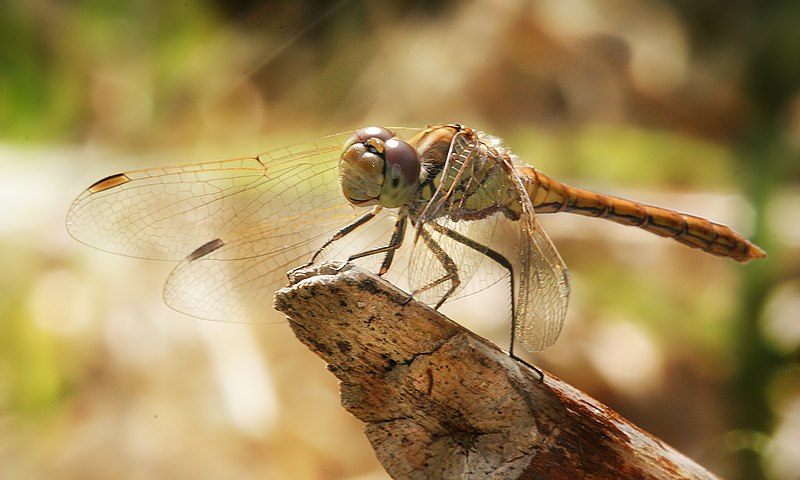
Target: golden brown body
480	187
551	196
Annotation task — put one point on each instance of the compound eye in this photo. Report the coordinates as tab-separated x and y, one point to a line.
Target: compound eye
402	164
363	134
401	177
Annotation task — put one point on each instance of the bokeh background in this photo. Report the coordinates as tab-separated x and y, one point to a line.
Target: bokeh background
685	104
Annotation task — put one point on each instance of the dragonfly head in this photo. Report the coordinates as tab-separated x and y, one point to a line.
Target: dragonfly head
377	168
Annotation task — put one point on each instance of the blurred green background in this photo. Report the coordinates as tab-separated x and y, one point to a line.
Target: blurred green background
688	105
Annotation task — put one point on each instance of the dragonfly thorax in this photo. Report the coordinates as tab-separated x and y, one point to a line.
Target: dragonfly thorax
378	169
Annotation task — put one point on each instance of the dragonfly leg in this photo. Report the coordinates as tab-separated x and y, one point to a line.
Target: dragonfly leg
450	268
502	261
339	235
397	239
394	243
448	264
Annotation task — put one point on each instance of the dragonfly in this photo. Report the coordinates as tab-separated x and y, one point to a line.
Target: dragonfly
441	211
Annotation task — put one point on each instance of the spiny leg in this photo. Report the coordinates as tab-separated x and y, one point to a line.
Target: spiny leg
397	239
340	234
494	255
502	261
450	268
394	243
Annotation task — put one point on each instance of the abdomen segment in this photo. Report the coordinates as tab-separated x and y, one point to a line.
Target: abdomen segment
550	196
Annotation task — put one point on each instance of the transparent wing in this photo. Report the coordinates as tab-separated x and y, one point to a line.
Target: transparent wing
166	213
233	278
544	284
237	225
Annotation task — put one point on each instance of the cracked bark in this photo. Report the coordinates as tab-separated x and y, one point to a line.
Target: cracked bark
440	402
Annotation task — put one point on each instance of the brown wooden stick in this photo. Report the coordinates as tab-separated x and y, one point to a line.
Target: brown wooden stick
440	402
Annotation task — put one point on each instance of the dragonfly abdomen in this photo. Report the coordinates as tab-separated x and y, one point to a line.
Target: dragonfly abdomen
550	196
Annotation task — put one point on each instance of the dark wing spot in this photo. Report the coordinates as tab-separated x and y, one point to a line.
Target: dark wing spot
109	182
205	249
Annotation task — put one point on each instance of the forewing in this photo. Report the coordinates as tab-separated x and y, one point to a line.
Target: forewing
166	213
238	225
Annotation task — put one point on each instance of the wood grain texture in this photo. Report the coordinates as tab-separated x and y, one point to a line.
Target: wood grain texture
440	402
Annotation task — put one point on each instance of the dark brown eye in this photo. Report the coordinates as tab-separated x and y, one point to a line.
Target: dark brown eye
402	164
363	134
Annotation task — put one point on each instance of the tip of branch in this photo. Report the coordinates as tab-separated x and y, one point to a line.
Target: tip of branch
441	402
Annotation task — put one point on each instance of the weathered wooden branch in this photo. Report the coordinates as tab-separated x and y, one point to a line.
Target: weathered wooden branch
440	402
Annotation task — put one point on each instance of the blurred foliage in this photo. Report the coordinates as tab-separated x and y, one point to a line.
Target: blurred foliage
693	105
